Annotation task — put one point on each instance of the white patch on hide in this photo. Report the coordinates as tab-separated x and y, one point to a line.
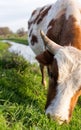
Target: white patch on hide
73	10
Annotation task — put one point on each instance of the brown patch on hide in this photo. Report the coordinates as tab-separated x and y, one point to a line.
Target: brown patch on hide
65	32
61	13
42	14
45	58
39	17
34	40
30	32
42	9
71	33
55	29
31	22
52	90
73	102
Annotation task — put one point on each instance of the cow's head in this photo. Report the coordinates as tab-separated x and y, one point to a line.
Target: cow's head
64	79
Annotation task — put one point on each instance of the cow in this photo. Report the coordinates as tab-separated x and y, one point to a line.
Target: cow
59	48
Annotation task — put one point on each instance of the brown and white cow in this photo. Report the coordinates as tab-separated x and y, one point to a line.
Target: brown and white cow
61	22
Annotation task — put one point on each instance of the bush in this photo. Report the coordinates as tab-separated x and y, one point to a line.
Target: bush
9	61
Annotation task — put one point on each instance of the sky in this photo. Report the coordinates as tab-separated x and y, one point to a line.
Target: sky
15	13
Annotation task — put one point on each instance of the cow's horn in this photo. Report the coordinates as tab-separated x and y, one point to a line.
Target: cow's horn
52	46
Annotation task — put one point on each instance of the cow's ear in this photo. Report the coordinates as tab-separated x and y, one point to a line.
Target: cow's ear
45	58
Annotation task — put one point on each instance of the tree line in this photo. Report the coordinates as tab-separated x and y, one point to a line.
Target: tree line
4	31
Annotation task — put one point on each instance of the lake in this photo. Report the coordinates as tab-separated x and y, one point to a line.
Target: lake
22	50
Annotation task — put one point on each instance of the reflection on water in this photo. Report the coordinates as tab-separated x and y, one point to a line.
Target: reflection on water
23	50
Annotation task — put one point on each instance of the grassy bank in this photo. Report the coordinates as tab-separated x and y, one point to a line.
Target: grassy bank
22	97
3	47
16	38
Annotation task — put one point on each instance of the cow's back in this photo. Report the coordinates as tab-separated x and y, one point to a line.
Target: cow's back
58	23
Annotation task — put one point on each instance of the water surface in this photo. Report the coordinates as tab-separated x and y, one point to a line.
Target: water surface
22	50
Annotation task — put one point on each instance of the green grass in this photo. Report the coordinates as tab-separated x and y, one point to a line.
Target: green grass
22	97
19	40
3	46
16	38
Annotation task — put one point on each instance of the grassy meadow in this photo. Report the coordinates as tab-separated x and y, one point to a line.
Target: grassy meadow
15	38
22	97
